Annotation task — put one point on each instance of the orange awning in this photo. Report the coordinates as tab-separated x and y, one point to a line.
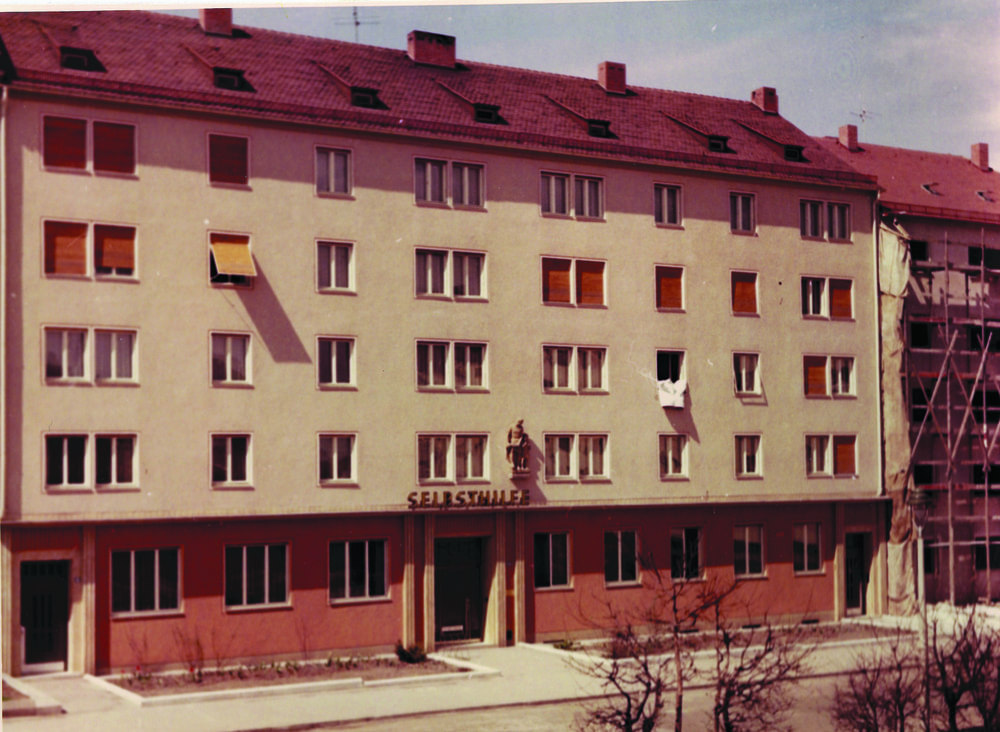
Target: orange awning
232	255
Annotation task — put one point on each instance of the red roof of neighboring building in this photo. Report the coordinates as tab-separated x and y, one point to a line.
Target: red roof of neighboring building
925	183
152	58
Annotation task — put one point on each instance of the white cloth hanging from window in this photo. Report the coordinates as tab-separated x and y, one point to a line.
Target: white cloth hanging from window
672	392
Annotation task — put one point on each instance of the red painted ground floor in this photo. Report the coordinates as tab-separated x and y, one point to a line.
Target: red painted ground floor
108	596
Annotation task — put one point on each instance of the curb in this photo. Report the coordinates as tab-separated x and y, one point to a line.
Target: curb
38	703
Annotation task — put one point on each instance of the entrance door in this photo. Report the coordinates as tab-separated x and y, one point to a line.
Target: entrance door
458	589
856	573
45	614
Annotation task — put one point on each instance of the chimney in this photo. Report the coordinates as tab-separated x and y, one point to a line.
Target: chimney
217	21
981	156
433	49
849	137
611	77
766	98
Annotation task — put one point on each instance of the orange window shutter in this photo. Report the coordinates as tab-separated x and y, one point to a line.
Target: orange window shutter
65	142
590	283
555	280
65	248
668	287
744	292
114	147
232	255
840	299
114	247
227	158
814	368
843	456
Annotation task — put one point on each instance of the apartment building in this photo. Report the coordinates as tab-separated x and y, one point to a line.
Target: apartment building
939	241
316	346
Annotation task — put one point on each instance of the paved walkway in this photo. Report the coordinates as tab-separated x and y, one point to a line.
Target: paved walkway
528	674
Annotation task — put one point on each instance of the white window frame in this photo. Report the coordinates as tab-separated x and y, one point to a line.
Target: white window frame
449	281
547	190
574	294
756	294
248	461
746	367
673	447
86	483
583	186
637	568
809	297
737	217
436	473
424	194
367	596
661	205
590	467
334	383
464	466
833	446
114	335
656	283
837	366
332	268
332	154
227	339
819	462
334	439
462	356
747	569
63	333
749	454
682	532
560	473
682	364
89	146
550	561
801	535
811	219
267	577
157	610
438	359
574	369
833	229
460	173
116	439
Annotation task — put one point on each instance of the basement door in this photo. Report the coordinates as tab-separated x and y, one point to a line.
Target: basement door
856	564
458	589
45	614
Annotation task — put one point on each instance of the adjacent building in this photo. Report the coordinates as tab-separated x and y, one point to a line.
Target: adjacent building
274	305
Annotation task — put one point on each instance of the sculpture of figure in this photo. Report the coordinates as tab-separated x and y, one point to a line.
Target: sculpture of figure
517	447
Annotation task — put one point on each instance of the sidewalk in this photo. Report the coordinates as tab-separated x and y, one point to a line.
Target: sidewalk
528	674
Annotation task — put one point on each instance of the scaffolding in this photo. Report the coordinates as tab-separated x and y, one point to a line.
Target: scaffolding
951	383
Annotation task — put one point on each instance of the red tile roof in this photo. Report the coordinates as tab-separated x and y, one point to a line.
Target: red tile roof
902	174
166	60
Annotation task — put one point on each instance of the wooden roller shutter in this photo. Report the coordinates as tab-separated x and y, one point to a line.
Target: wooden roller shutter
668	287
555	280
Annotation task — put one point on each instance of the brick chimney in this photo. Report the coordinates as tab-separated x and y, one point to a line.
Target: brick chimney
981	156
216	21
849	137
766	98
611	77
433	49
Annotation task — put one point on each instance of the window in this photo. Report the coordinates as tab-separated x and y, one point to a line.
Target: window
64	145
358	570
65	354
470	457
620	557
65	461
231	79
333	171
811	219
817	461
470	366
433	452
430	183
555	194
744	293
114	250
673	456
463	279
748	550
841	305
748	456
551	560
588	198
844	461
436	371
576	457
333	266
572	281
828	376
979	554
336	459
432	364
669	288
65	248
115	355
466	185
145	580
577	369
588	195
814	375
920	335
231	459
437	463
745	377
115	463
667	205
80	59
228	159
428	180
336	357
256	574
741	213
841	376
805	548
685	553
813	296
559	457
827	297
838	216
593	457
230	359
919	251
230	260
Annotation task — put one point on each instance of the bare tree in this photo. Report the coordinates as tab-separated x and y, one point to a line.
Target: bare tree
965	670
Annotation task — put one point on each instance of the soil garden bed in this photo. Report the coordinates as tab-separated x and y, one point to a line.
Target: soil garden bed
272	674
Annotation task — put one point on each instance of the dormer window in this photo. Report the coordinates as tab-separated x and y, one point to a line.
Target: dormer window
985	196
794	153
599	128
231	79
929	188
718	143
79	59
488	113
364	97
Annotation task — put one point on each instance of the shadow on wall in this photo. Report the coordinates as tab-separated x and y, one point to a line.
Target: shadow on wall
680	420
271	321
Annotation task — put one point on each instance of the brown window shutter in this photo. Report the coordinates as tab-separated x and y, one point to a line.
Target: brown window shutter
227	159
814	368
114	147
590	283
555	280
843	456
65	142
65	248
744	292
668	287
840	299
114	247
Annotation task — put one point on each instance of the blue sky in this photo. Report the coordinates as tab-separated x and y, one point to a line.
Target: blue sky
925	73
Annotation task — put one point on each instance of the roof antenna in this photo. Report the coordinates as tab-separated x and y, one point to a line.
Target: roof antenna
356	22
863	115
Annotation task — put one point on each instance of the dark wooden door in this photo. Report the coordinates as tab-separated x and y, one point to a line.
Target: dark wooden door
458	589
45	611
856	572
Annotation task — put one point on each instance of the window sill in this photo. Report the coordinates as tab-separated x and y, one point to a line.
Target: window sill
845	396
751	234
472	390
264	606
688	580
432	204
592	306
115	174
231	385
817	396
745	315
670	310
756	476
628	584
557	391
470	298
335	291
334	195
138	614
464	207
353	484
54	381
840	241
433	296
845	476
819	476
348	601
590	480
748	395
751	577
119	279
337	387
592	219
594	392
435	389
555	588
116	488
674	478
67	276
674	227
66	169
560	479
814	316
231	285
230	186
68	489
556	215
809	572
472	481
819	239
835	319
232	486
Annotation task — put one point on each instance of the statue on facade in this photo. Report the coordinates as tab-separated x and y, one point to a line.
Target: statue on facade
517	447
